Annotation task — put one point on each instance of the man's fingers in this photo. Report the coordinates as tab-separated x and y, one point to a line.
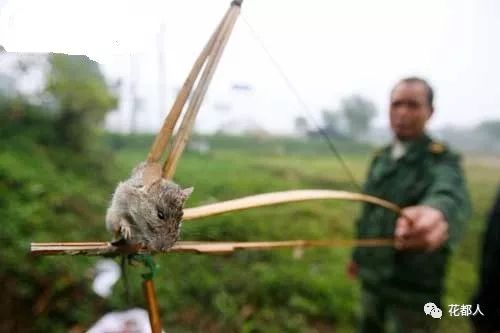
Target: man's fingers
429	241
406	220
412	212
402	227
422	226
402	232
437	236
425	221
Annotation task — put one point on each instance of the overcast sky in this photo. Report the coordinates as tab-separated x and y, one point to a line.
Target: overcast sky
328	49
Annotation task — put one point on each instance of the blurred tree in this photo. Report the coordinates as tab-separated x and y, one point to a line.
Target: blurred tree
359	112
301	126
81	96
54	178
332	123
490	128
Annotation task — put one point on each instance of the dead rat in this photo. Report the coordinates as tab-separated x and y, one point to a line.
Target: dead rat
147	209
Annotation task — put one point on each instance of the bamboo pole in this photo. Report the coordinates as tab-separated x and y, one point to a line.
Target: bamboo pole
161	140
107	249
148	288
199	93
229	247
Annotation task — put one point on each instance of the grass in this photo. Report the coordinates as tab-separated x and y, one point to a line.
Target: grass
276	291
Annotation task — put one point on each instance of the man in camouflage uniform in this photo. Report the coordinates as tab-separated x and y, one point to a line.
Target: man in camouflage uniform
425	178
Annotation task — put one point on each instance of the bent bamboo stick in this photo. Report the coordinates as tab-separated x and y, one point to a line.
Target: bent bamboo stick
275	198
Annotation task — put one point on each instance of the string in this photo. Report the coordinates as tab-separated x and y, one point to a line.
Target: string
306	110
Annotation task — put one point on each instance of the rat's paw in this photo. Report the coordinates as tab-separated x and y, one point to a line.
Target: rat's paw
125	230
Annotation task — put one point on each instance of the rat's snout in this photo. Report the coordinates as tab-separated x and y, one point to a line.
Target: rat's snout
157	245
162	244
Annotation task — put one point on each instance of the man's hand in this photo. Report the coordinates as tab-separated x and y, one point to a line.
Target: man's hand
421	228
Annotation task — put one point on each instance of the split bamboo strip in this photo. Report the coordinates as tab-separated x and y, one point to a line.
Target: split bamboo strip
275	198
198	95
161	140
107	249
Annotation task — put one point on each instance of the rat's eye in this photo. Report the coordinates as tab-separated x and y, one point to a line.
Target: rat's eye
161	216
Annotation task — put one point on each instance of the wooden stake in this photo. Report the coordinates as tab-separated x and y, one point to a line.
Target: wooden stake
198	95
148	289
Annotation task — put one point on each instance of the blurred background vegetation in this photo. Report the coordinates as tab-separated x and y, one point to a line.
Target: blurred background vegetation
58	169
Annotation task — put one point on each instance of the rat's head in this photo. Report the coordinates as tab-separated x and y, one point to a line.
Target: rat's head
166	201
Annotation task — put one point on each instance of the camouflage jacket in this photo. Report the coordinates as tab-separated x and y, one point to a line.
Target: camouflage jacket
428	174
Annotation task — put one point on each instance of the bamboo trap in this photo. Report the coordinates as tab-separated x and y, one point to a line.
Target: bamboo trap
110	250
194	90
260	200
208	59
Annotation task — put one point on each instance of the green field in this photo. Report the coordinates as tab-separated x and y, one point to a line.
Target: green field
249	291
274	290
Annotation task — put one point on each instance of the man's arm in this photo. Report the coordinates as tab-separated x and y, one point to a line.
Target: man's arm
441	214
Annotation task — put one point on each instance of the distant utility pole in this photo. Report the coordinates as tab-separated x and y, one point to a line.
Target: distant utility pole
162	101
134	107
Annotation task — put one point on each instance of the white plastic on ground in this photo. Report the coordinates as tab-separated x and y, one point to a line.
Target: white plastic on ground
130	321
108	272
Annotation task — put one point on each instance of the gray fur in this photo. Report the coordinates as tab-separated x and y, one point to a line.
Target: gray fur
135	207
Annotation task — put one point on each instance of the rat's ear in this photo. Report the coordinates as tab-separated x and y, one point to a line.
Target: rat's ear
187	192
